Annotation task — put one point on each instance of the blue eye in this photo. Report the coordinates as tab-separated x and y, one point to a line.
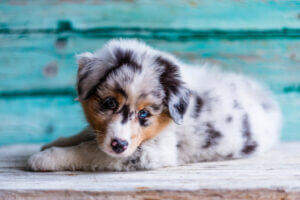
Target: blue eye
143	114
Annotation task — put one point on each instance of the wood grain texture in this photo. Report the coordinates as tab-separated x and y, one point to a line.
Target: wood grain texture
290	106
39	119
273	175
170	14
47	61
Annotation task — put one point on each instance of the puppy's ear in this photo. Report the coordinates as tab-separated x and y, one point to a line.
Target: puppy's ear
90	71
178	104
177	95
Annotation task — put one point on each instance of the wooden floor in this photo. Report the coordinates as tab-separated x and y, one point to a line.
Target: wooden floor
274	175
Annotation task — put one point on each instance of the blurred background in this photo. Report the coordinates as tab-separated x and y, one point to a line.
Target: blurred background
39	38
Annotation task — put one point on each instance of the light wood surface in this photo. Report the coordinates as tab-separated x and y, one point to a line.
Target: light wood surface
274	175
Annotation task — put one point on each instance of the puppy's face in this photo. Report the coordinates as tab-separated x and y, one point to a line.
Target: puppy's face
129	94
123	119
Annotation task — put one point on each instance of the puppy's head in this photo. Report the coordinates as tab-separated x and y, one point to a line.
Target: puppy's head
129	93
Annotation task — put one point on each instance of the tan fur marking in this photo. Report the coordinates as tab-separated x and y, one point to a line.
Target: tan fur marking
97	120
143	104
120	98
158	124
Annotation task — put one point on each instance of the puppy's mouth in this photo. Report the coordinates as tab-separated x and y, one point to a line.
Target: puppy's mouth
112	153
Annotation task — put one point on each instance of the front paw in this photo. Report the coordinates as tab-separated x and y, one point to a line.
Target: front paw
44	161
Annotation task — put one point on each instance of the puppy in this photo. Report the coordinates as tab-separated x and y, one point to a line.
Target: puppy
147	110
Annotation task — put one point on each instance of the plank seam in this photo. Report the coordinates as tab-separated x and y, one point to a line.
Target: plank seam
163	33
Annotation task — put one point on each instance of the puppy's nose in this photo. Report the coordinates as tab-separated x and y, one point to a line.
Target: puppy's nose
119	145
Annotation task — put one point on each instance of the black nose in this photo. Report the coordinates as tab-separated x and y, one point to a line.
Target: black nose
119	145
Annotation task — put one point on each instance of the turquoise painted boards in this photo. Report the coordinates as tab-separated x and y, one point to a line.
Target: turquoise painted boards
38	41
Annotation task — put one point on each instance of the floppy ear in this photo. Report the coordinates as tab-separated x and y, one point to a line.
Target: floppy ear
177	95
178	104
90	71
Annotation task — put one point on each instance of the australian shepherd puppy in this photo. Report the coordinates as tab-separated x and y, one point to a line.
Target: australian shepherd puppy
147	110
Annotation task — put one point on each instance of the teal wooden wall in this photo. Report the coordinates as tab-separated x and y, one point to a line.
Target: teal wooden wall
38	41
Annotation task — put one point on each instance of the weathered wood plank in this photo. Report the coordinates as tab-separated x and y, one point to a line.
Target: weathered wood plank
273	175
42	62
45	118
39	119
290	106
173	14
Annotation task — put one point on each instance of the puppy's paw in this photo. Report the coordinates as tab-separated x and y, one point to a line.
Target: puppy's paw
47	160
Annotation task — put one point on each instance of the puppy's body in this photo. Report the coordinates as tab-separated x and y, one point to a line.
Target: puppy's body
217	115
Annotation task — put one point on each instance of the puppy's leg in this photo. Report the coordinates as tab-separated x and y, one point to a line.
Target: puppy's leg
88	157
77	157
85	135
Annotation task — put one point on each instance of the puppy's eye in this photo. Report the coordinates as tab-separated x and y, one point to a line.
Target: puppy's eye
109	103
143	114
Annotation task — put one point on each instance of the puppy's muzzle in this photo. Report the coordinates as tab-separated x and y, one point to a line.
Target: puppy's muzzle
119	145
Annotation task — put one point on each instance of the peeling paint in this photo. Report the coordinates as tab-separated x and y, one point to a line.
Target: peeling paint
61	42
51	69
